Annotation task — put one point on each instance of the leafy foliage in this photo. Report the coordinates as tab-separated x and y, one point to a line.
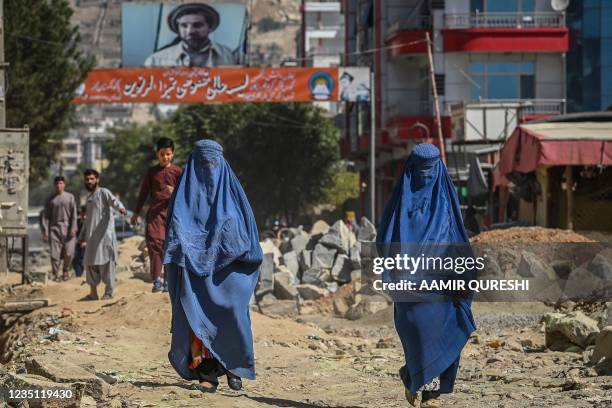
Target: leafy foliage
345	186
46	67
284	154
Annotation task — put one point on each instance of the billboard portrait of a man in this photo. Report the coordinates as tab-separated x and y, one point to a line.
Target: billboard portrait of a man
185	35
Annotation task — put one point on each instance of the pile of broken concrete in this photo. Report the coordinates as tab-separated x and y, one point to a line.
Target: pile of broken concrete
574	331
307	266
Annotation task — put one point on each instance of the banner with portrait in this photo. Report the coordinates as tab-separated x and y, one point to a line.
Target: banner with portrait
194	34
203	85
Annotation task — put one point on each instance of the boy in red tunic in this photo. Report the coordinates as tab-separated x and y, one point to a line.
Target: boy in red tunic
157	186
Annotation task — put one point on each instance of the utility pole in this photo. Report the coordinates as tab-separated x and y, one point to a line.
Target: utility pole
434	91
3	66
372	147
3	240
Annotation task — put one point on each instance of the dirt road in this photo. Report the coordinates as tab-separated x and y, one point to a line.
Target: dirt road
311	361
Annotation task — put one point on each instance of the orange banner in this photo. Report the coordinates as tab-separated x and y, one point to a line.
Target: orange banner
204	85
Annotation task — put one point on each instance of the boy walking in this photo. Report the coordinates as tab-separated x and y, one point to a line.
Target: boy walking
157	187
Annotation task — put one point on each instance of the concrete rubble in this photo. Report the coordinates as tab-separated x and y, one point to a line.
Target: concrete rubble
311	266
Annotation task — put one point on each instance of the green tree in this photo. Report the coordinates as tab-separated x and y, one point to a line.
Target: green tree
344	187
284	154
285	158
46	67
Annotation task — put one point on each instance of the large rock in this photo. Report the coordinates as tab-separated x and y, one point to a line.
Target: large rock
367	305
590	280
355	256
575	328
284	270
603	345
299	242
268	247
531	266
332	287
339	237
266	276
341	306
311	292
319	227
305	260
607	315
60	371
316	276
284	285
290	259
341	272
601	267
367	230
323	257
544	284
283	308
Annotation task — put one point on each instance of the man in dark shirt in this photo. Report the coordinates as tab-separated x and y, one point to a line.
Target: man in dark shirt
158	185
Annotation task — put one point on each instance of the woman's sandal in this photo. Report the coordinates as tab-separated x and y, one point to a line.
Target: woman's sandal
234	382
413	399
431	403
429	399
206	386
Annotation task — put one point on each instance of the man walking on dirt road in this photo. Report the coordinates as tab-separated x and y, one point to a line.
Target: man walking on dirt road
59	224
98	236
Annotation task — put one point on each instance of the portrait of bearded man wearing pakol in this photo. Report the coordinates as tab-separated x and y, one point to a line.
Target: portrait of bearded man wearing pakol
193	23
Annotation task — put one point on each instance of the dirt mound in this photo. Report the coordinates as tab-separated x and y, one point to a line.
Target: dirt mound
129	249
325	305
528	234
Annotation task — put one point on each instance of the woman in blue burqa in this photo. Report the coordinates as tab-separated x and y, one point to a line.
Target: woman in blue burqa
424	210
212	261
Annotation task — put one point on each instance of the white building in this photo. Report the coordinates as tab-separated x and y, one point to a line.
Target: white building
497	63
322	37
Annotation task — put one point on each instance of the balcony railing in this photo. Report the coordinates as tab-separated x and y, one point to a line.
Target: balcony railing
543	107
504	20
496	119
322	6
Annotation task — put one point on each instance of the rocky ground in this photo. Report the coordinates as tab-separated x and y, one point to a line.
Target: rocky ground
117	350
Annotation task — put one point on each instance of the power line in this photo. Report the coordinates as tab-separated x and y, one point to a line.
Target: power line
366	51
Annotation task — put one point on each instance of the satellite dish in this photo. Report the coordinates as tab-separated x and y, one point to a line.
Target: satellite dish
559	5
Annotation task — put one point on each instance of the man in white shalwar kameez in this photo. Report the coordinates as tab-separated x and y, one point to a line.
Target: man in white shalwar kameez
98	235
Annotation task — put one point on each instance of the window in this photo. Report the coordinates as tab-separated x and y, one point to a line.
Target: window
502	80
502	6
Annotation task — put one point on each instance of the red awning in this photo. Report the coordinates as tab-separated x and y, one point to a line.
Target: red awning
554	144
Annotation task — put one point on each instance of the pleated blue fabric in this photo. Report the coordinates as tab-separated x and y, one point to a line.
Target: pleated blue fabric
424	210
212	258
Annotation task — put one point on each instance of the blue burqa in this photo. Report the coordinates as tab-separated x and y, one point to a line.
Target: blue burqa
212	260
424	209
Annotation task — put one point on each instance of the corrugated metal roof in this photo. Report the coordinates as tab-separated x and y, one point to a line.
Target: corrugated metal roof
570	130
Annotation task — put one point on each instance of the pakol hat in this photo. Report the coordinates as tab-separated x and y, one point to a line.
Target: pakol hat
211	15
